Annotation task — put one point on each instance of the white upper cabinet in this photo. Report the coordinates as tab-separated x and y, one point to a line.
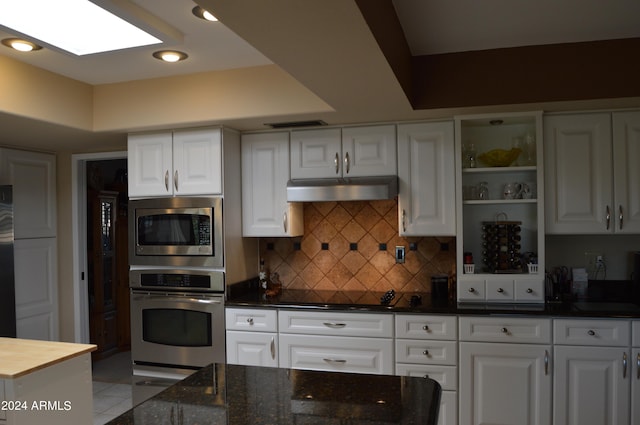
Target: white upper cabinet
592	179
265	171
626	171
33	177
426	174
347	152
175	163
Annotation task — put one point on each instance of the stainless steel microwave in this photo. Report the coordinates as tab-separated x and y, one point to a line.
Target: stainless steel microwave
176	232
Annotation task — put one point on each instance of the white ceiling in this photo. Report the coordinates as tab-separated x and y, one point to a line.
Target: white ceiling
430	26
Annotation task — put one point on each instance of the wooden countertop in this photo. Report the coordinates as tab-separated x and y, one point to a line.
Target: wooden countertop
20	357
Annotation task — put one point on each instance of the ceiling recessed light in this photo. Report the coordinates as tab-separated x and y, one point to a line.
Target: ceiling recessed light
203	14
20	44
170	55
76	26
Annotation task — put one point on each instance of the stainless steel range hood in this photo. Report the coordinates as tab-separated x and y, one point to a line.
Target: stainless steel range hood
342	189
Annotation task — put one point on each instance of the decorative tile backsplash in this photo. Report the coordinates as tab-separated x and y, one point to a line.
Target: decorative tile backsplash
351	246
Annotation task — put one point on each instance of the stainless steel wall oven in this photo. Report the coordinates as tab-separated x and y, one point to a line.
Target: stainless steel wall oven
177	318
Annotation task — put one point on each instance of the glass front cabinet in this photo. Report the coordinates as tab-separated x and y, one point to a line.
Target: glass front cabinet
499	202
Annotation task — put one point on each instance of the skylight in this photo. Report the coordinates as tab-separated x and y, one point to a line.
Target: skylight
77	26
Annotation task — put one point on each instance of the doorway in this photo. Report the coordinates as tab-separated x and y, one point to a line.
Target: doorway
107	254
100	251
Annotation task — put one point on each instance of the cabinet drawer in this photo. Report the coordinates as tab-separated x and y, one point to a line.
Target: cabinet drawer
635	334
592	332
472	290
338	354
251	319
529	290
505	329
446	376
419	326
499	291
334	323
421	351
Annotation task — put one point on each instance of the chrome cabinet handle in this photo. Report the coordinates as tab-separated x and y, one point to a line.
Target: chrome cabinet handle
426	353
504	330
624	365
608	217
340	361
638	366
273	348
620	216
472	290
404	220
175	180
425	328
500	290
284	221
166	180
334	325
546	362
250	321
591	332
529	290
347	164
336	161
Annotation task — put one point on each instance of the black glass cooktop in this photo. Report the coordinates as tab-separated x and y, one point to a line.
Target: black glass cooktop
326	297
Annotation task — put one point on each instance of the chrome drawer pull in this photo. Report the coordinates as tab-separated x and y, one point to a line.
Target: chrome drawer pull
624	365
504	330
340	361
425	328
472	290
591	332
529	290
250	321
334	325
336	162
426	352
546	362
273	348
500	290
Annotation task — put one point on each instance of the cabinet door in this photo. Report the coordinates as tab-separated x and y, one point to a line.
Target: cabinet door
36	289
265	172
426	172
504	384
591	386
197	162
316	153
33	177
150	164
252	348
578	175
369	151
626	157
635	386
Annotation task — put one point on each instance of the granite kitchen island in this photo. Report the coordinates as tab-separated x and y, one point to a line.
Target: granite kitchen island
238	395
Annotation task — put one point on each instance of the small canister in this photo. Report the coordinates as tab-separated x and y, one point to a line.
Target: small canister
440	287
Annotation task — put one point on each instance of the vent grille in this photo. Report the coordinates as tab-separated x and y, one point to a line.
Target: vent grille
295	124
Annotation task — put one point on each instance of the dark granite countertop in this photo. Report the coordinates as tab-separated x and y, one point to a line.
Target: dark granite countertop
402	303
251	395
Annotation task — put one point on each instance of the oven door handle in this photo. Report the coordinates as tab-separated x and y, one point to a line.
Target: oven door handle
179	299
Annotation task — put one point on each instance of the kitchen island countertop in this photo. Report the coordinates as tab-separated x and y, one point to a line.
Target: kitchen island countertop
19	357
234	394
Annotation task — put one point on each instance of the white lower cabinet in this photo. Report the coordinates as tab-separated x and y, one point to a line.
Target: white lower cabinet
635	372
335	341
427	346
592	372
252	337
506	382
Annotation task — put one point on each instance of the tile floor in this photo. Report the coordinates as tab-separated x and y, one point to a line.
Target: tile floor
111	387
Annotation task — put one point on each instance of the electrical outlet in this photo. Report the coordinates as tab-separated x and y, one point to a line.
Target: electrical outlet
595	263
400	254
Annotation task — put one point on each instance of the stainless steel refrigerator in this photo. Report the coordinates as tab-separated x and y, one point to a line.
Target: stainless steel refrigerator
7	286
